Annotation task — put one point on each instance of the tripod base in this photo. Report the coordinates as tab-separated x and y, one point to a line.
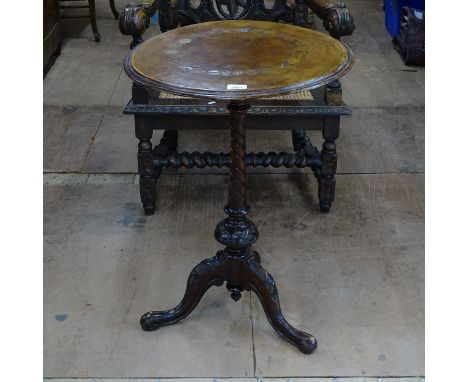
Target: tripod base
237	264
240	271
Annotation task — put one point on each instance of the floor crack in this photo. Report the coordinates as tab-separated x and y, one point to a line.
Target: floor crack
99	124
253	339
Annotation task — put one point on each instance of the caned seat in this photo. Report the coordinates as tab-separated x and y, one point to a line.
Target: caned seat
304	96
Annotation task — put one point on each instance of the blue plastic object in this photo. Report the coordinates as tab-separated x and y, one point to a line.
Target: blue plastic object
155	19
393	13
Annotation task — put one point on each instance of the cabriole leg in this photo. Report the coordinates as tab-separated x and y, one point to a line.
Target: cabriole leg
264	286
206	274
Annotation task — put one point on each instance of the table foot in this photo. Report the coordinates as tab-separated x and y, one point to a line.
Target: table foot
206	274
262	283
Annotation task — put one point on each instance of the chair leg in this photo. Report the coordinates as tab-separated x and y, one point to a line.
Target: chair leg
296	139
167	144
92	16
302	142
147	171
113	9
327	178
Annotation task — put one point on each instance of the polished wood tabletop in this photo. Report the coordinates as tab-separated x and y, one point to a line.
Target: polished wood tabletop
238	60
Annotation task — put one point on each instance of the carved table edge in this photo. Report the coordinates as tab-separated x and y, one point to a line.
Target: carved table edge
315	110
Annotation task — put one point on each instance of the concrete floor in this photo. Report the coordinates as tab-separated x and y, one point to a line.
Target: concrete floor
354	277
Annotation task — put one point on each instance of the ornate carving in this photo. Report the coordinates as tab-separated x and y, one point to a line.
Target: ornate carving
165	15
236	291
301	13
266	278
183	12
338	21
248	275
135	19
236	232
203	267
232	9
313	110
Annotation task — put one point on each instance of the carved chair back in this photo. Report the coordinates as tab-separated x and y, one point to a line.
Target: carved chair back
135	18
186	12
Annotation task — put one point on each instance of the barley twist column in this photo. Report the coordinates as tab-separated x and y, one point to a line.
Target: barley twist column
236	231
237	202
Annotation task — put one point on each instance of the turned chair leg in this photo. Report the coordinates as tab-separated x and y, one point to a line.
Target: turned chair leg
147	171
302	142
113	9
92	16
327	177
330	132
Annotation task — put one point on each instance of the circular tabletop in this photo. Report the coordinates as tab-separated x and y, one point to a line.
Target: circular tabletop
238	60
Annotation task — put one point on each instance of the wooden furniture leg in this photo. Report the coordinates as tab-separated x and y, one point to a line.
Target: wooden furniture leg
330	133
92	16
113	9
146	169
167	144
301	142
237	264
327	178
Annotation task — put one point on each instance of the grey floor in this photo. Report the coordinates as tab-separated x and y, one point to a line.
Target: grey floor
354	277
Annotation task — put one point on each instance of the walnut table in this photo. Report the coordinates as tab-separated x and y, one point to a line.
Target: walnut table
236	61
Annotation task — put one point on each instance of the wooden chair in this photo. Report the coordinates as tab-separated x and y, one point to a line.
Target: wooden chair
318	109
86	4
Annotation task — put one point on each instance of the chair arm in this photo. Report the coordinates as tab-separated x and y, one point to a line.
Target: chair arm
135	19
336	17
